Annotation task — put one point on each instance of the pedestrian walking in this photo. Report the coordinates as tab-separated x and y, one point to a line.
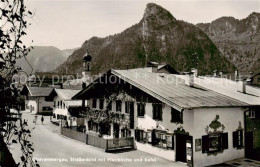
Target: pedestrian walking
42	119
35	119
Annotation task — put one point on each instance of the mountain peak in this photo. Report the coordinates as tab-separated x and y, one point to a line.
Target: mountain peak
156	11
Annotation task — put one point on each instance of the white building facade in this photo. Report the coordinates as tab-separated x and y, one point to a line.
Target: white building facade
177	122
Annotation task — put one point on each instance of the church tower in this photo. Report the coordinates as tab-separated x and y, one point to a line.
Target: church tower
86	73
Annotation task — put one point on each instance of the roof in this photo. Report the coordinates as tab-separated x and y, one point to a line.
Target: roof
37	91
66	94
172	90
229	88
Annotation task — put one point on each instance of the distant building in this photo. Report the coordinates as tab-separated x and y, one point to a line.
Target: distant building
66	109
256	78
169	117
36	99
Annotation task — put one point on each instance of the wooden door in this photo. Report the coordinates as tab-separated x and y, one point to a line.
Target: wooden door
181	154
132	111
249	145
116	131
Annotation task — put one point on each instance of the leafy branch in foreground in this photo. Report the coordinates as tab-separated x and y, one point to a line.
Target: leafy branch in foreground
13	130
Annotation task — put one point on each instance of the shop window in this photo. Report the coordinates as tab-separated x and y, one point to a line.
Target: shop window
139	135
140	109
159	139
214	142
157	112
176	116
238	139
101	103
94	103
119	105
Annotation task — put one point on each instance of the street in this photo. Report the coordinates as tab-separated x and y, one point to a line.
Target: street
53	149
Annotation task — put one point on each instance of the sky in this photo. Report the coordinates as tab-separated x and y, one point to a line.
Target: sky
66	24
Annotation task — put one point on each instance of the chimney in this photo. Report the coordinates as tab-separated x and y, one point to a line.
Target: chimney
194	71
189	79
220	74
241	86
215	73
154	66
236	75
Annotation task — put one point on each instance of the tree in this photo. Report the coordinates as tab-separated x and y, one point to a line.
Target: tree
13	15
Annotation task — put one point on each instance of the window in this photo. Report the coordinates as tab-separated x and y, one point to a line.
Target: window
94	103
140	109
214	142
127	107
176	116
54	103
46	109
238	139
109	106
105	128
125	133
90	125
58	105
101	103
119	105
157	112
251	113
93	126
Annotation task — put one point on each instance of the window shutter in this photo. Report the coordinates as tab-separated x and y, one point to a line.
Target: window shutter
154	111
235	139
137	135
242	138
224	141
205	144
257	114
161	114
153	137
173	142
181	115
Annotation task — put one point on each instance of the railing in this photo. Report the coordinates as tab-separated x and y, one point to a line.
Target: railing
105	144
96	142
79	136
